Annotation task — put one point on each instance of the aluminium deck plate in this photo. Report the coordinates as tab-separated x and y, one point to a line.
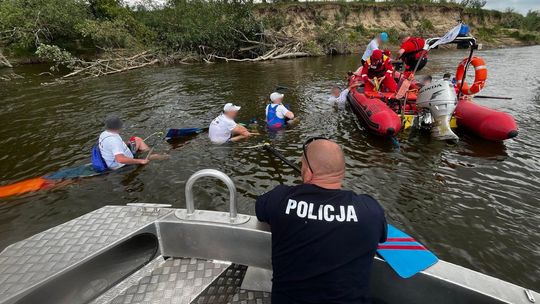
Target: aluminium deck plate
224	287
251	297
184	280
177	281
35	259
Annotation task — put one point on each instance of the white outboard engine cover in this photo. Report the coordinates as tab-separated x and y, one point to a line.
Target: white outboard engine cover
439	97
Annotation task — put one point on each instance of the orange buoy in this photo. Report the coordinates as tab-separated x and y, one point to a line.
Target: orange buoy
24	186
480	75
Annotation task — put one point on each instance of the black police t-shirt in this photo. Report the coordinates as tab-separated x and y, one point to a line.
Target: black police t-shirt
323	242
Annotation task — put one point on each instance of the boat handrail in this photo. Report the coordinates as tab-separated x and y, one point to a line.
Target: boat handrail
190	204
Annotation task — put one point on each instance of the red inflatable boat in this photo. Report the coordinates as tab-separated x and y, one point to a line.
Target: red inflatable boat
437	106
375	114
382	120
485	122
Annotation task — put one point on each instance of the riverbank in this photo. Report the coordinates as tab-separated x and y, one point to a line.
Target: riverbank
345	27
103	36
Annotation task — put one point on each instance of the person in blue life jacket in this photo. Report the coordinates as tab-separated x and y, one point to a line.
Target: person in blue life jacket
114	151
324	238
276	113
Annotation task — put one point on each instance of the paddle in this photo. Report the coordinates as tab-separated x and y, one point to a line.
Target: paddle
278	154
153	144
492	97
405	254
400	251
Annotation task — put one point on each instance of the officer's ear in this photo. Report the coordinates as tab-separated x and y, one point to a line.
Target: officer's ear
307	175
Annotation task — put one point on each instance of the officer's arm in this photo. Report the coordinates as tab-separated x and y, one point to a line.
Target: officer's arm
384	231
261	207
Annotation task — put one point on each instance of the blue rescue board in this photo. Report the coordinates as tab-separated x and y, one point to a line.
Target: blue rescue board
175	133
404	254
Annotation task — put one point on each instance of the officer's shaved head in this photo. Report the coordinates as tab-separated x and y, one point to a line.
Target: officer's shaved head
327	163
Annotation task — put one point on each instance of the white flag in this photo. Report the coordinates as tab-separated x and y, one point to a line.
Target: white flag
448	37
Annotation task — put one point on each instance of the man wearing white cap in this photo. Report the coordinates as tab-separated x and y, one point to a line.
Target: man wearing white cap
224	129
277	113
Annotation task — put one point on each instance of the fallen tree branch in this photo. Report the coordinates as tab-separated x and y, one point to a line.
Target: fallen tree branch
4	61
112	65
272	45
270	56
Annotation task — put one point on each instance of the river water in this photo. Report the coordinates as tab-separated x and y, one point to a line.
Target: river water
474	203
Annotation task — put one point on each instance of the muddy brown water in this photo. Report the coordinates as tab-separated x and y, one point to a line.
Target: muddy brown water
474	203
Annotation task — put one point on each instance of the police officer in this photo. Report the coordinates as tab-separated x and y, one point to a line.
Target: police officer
323	238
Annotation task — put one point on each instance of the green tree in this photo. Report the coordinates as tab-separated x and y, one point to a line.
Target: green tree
24	24
474	4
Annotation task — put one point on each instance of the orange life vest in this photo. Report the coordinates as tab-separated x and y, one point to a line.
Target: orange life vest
379	70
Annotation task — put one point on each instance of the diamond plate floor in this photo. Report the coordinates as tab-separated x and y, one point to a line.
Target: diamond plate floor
177	281
224	287
251	297
32	260
185	281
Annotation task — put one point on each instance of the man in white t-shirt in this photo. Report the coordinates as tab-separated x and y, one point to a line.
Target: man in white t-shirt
374	45
224	129
114	150
339	97
276	113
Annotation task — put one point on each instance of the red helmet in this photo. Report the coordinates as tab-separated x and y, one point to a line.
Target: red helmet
376	55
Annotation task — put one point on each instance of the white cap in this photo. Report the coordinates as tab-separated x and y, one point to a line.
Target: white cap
230	107
275	96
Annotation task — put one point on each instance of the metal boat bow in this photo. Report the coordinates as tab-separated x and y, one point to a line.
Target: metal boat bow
146	253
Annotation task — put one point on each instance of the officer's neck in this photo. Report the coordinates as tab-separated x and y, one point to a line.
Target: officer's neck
325	183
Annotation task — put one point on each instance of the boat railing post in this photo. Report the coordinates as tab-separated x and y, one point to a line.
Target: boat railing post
190	204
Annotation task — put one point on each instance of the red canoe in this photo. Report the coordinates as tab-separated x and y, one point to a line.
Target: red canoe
375	114
485	122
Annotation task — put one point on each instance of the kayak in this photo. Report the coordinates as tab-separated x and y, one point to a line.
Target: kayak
48	181
68	175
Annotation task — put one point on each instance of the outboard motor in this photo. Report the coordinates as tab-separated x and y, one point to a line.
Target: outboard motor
439	98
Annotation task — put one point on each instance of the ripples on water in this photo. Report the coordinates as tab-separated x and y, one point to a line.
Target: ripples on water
473	203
